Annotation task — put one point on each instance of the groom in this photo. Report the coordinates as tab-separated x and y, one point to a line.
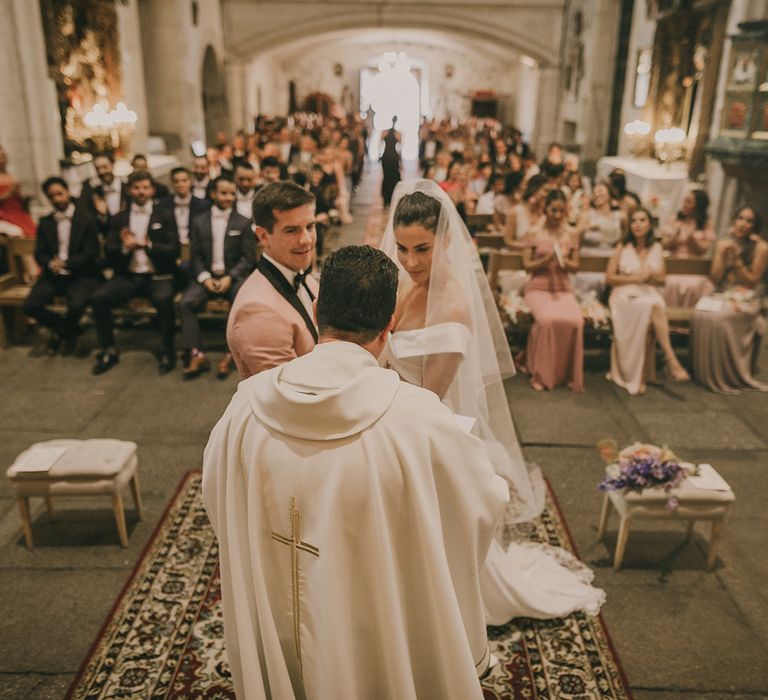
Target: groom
352	515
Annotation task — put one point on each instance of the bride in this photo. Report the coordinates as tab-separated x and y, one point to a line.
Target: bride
448	338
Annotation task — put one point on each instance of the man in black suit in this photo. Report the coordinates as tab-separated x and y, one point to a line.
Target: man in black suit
140	162
200	178
142	247
66	249
106	194
184	204
222	251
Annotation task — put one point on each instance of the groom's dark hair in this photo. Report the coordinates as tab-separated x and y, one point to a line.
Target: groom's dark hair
358	291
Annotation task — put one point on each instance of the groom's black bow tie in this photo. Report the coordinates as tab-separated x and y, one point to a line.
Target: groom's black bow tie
301	280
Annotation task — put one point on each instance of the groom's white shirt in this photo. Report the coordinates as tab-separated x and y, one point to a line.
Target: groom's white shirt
394	507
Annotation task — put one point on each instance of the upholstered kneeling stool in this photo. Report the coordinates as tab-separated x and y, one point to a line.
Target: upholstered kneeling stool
693	504
86	468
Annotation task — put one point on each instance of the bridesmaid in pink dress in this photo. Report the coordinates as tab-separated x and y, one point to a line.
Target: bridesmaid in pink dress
556	341
11	206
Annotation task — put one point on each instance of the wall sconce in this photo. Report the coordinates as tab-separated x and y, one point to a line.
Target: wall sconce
338	69
449	70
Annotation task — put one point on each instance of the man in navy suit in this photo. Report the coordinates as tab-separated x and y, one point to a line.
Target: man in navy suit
222	253
142	247
66	249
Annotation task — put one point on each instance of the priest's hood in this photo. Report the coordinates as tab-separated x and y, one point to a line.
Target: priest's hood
335	391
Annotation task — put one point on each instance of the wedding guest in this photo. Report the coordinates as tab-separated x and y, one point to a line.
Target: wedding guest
494	187
725	333
222	255
200	177
601	227
245	181
270	170
14	218
689	234
621	197
66	249
636	273
526	214
140	162
106	194
555	353
184	204
142	247
506	200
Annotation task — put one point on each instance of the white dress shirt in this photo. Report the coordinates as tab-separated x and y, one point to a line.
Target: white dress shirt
112	195
138	223
245	203
302	293
219	223
64	231
200	187
181	212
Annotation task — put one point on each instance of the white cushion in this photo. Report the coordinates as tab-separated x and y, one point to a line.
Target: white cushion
85	459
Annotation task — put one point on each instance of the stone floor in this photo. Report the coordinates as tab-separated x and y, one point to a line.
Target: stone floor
680	631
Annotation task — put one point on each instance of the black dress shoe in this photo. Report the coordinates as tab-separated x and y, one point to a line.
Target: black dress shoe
68	345
167	362
53	346
105	361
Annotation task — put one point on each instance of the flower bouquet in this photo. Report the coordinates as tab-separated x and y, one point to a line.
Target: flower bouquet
593	311
641	466
514	304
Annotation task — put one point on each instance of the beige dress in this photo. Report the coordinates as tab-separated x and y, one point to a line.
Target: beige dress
724	336
631	307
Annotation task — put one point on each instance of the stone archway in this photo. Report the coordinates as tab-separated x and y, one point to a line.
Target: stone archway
215	109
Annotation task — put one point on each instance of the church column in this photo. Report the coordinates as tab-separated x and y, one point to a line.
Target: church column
134	93
29	121
547	110
234	71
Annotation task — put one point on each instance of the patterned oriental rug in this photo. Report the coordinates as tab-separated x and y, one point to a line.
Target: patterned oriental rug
165	636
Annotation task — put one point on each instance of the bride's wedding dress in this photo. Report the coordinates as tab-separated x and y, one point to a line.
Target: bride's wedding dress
530	580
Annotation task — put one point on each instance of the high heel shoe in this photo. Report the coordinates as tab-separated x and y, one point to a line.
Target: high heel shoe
676	373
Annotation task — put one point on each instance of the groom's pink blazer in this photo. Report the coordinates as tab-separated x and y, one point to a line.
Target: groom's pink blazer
264	328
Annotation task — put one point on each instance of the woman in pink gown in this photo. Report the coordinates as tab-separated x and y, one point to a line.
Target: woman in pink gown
689	234
12	211
556	341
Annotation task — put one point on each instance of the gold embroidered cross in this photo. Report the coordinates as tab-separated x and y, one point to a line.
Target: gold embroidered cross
295	543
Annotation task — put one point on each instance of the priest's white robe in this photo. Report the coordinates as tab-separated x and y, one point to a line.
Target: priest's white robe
393	506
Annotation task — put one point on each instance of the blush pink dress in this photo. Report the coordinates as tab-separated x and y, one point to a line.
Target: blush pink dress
556	341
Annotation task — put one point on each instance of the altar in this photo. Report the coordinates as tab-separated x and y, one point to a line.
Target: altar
648	178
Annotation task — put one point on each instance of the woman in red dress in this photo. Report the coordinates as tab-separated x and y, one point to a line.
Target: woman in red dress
14	218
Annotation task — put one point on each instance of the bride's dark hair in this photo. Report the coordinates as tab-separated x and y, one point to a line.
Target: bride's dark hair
419	209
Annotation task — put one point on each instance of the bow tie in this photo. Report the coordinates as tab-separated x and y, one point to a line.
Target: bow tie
300	280
217	213
182	202
146	209
62	216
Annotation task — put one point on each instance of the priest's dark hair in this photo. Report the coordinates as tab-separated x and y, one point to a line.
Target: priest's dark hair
358	291
278	196
418	209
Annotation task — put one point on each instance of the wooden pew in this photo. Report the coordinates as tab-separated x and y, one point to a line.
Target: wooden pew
478	223
501	260
14	291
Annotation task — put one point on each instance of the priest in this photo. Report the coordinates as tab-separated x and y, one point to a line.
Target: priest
352	514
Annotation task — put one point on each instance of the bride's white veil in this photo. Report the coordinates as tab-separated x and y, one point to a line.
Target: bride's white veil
458	289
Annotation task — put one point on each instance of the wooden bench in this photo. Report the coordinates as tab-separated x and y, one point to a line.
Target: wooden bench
14	291
478	223
501	260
